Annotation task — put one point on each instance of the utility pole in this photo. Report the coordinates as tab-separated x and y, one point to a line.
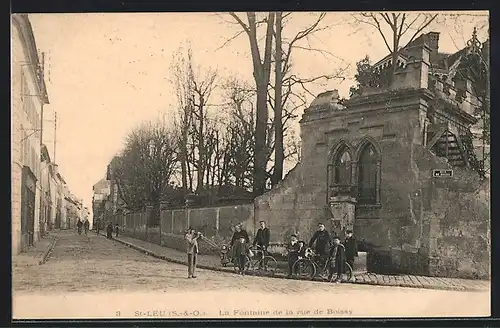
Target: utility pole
55	135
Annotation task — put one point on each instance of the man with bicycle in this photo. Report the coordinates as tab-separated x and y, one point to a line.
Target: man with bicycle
321	241
262	239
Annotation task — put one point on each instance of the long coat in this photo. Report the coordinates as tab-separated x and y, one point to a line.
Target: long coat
323	241
263	237
238	234
337	253
351	248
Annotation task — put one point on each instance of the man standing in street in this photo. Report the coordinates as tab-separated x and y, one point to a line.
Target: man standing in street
262	239
79	225
192	250
351	248
86	225
97	225
322	239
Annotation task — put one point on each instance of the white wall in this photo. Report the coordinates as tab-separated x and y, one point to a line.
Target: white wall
25	141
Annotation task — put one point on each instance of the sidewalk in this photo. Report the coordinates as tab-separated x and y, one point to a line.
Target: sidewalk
37	254
212	262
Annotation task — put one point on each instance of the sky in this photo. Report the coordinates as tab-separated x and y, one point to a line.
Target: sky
107	73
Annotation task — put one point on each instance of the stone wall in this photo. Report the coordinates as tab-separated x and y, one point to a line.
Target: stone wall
412	229
215	223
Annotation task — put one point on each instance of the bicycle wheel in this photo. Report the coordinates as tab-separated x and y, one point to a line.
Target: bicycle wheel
236	264
304	268
348	272
267	265
346	276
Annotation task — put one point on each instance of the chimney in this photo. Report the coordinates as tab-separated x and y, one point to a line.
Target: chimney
433	41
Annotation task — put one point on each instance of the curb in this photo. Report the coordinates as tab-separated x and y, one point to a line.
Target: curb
48	251
357	282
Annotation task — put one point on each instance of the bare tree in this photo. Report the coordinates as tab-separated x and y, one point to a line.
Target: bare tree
401	27
261	74
194	87
283	94
146	166
240	135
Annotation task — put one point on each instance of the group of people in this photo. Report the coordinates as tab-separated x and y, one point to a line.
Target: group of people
324	245
110	228
85	224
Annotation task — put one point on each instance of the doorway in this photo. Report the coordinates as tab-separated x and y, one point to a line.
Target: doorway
28	192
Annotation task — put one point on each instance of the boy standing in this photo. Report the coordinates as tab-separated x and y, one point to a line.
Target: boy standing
337	256
241	251
351	248
293	248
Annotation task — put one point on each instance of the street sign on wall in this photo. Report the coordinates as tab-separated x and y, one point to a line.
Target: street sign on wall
442	173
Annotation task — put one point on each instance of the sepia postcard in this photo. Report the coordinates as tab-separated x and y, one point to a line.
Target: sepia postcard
241	165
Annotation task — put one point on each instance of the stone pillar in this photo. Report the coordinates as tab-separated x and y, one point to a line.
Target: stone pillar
172	226
379	181
217	222
190	200
343	209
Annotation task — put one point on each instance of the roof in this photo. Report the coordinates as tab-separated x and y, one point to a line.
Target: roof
103	183
441	60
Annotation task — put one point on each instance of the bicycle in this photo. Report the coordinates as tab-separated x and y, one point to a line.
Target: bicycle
263	262
311	267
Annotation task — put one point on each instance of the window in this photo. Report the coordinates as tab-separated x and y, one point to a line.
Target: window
368	175
343	168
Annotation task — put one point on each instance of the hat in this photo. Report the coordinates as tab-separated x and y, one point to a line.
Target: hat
294	235
348	231
336	237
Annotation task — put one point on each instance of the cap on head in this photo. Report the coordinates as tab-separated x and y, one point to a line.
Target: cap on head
348	231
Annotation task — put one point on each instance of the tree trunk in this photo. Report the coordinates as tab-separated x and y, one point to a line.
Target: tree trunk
278	110
201	149
262	71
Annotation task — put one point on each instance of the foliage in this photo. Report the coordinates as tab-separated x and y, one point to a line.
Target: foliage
146	165
365	77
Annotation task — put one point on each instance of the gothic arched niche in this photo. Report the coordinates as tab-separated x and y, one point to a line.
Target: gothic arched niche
368	174
342	166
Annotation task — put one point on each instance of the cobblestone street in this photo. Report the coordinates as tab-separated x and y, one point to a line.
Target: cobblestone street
92	270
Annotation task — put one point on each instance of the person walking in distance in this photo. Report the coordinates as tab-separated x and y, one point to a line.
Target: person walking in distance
191	238
97	226
79	225
117	230
351	248
109	231
321	241
86	225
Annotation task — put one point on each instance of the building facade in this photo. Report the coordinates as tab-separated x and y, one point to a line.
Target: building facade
101	191
28	96
369	165
46	203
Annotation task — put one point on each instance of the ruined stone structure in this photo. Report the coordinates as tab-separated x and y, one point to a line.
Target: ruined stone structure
368	165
